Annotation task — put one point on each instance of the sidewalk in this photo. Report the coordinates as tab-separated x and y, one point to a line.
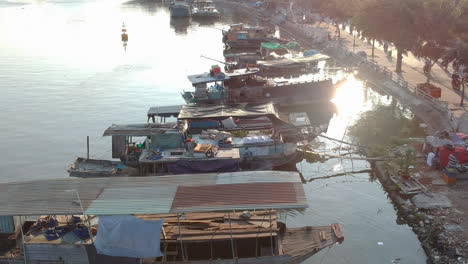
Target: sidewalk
412	69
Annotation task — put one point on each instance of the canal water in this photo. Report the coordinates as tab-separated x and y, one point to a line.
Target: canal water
65	74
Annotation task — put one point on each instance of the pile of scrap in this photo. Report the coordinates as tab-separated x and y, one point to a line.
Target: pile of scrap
59	229
217	226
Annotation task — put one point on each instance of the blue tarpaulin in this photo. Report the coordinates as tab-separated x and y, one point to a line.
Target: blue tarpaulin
128	236
310	53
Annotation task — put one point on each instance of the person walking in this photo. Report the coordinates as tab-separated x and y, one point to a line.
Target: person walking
385	47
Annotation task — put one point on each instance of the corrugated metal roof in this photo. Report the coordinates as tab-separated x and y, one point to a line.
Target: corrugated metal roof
7	225
262	195
131	195
242	72
223	111
145	129
165	111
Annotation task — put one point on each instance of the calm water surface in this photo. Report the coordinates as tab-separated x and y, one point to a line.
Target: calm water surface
65	75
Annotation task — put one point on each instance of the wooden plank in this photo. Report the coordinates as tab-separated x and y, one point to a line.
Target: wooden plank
206	238
175	233
323	235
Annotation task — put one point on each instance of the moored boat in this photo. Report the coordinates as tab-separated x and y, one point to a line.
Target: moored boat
245	86
223	138
215	218
246	37
179	8
204	9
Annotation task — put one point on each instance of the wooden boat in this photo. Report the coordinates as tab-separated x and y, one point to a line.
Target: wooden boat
244	37
245	86
241	137
207	218
83	167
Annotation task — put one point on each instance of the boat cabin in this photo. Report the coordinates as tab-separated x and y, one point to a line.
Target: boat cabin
155	149
236	86
245	37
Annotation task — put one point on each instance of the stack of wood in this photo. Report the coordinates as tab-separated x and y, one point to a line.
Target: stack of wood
204	227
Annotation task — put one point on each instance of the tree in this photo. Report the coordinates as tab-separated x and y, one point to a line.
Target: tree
430	52
433	29
389	20
366	19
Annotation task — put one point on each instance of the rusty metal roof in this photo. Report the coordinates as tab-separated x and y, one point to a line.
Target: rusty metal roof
158	194
262	195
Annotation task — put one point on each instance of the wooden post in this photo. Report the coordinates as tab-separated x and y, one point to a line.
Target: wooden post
271	235
180	238
88	223
87	147
232	240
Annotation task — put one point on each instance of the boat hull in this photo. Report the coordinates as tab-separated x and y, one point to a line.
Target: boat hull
90	168
251	43
205	15
180	11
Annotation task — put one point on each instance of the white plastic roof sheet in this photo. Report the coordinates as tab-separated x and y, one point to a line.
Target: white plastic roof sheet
207	78
136	130
147	195
224	111
165	111
290	61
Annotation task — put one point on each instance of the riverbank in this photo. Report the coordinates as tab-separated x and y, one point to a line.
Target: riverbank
436	214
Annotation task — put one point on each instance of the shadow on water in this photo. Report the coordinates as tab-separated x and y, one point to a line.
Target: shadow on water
385	126
205	21
180	25
149	6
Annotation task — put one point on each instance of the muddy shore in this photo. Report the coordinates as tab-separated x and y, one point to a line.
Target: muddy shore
438	223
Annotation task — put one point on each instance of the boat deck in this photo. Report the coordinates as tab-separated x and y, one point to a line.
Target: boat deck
174	155
204	227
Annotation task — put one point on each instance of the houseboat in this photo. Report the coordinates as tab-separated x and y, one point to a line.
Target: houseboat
246	37
179	8
246	86
201	218
204	9
223	138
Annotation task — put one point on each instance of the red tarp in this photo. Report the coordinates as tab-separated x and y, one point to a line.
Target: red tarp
460	153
